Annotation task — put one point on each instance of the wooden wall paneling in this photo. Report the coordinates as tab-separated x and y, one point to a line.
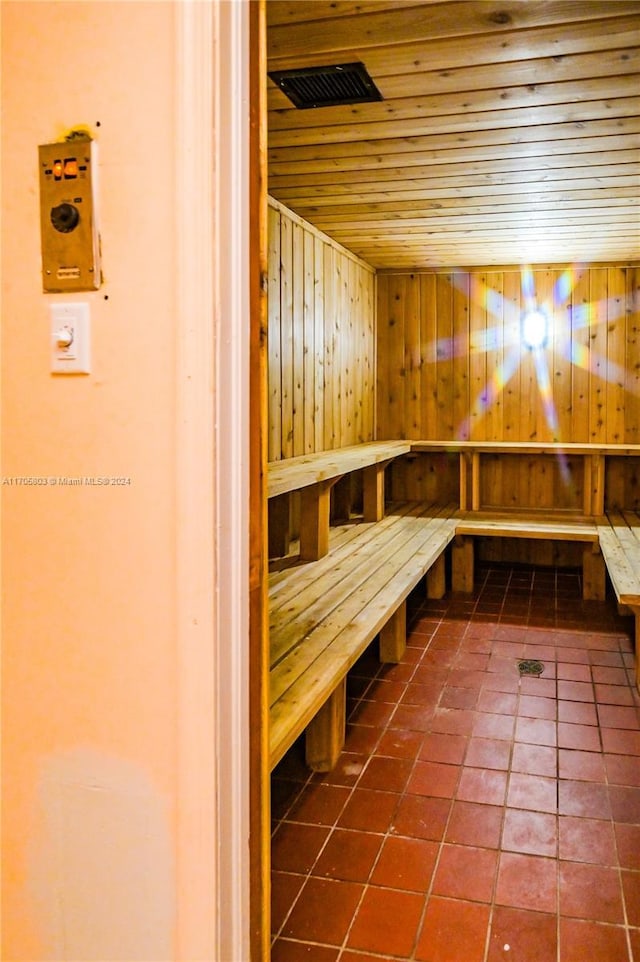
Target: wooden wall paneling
494	415
428	342
412	359
396	349
512	354
478	356
546	416
330	367
348	356
632	357
382	371
286	334
298	328
632	360
581	356
561	369
616	353
355	283
444	354
318	344
309	321
460	292
274	361
598	334
370	358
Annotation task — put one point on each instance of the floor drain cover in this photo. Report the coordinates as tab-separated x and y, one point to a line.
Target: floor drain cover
530	667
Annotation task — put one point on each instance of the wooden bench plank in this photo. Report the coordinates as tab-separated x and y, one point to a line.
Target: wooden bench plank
386	566
368	597
292	474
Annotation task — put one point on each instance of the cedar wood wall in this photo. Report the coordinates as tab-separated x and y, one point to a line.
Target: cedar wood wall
448	363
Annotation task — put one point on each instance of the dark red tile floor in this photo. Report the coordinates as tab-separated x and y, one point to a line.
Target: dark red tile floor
476	815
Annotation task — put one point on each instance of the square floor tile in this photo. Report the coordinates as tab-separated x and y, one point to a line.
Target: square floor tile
614	695
575	691
620	742
386	922
442	747
618	716
488	753
386	774
532	833
453	930
472	823
323	911
530	936
625	803
532	792
369	811
527	882
628	841
590	892
609	676
581	940
536	731
348	856
587	840
295	847
631	889
623	770
465	872
405	863
419	816
482	785
577	712
583	737
583	798
434	778
319	804
497	702
534	759
489	725
398	744
583	766
285	888
533	706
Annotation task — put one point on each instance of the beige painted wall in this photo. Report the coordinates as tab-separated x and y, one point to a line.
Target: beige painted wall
89	659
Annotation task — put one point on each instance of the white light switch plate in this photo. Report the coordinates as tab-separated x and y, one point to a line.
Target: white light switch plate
70	322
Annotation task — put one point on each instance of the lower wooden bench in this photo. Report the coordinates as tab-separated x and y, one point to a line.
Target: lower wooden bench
522	525
619	533
324	615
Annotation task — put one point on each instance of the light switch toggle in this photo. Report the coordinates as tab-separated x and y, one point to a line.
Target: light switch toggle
70	352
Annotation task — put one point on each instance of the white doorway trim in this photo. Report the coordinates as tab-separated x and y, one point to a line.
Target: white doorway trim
212	358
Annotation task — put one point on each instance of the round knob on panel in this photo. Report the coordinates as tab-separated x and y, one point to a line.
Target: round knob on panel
64	337
65	218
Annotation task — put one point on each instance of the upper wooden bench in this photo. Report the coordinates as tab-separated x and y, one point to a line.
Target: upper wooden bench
314	475
322	616
619	533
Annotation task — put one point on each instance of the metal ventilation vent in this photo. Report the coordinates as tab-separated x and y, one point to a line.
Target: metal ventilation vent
341	83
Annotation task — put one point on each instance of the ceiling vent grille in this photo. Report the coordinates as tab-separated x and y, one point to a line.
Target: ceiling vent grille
342	83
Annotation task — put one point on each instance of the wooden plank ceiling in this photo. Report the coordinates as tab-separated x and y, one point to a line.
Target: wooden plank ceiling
509	132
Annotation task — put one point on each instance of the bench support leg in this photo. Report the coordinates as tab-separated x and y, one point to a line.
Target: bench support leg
393	637
436	582
279	526
373	491
462	564
325	734
593	574
342	500
315	504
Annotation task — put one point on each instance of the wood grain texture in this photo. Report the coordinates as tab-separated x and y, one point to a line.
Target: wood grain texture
507	133
582	386
321	341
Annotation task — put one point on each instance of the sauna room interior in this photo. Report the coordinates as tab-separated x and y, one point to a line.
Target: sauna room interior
453	264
